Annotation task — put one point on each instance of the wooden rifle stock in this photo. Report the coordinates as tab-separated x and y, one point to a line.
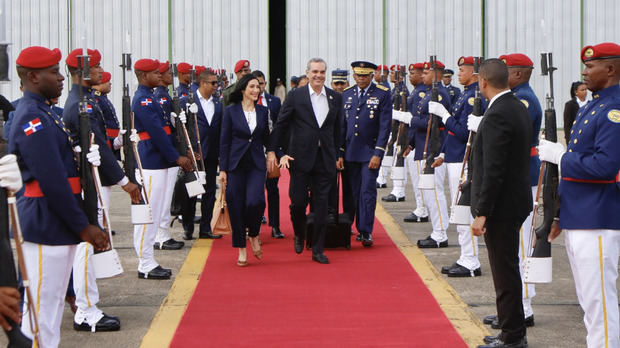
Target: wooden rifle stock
432	142
129	158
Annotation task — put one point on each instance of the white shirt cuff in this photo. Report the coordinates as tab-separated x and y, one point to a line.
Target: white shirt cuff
124	181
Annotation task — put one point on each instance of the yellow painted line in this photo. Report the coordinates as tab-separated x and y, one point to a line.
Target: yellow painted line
169	315
464	320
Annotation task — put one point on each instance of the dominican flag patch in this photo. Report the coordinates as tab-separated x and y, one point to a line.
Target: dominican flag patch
162	100
146	102
89	108
32	126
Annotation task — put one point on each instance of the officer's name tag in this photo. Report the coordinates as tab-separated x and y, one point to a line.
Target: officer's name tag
372	101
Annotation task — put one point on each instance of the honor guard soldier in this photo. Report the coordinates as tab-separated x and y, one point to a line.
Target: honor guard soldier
340	80
367	110
435	199
242	68
88	317
163	240
53	221
112	126
416	143
183	72
454	92
453	151
590	194
520	69
381	76
160	161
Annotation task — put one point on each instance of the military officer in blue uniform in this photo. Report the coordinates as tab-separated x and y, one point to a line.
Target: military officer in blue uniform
160	162
454	92
52	218
88	317
367	110
112	126
183	72
590	194
340	80
434	199
413	164
452	153
163	240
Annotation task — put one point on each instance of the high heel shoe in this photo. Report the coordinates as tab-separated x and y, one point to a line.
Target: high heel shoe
242	263
258	252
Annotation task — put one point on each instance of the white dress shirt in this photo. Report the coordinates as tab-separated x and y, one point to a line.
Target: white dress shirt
319	105
207	106
250	116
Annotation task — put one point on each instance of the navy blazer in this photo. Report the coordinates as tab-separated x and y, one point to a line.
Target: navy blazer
236	138
274	104
209	132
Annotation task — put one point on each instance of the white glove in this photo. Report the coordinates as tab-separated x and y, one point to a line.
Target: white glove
118	141
10	176
473	122
93	155
551	152
173	115
134	136
396	115
405	117
438	109
182	117
77	149
193	108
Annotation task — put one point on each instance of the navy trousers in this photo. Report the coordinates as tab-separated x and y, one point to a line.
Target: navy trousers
362	181
207	202
273	200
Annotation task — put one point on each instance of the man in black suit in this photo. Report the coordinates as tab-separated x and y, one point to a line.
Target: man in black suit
309	121
501	196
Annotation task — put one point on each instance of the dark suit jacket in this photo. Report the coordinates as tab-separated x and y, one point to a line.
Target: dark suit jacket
298	126
236	138
501	160
570	111
209	132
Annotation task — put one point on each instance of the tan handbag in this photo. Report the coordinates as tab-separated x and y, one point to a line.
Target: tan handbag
275	173
220	222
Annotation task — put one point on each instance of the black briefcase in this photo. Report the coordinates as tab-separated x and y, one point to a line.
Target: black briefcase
337	234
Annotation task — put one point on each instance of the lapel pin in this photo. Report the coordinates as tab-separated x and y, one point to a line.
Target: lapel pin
331	97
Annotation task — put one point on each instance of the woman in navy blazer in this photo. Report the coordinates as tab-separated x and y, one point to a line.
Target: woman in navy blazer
243	167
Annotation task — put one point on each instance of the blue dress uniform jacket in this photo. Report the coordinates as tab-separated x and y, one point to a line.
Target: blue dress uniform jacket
420	119
209	132
589	188
194	87
366	123
456	139
164	99
525	93
454	93
412	104
156	146
183	90
112	126
236	138
44	151
110	171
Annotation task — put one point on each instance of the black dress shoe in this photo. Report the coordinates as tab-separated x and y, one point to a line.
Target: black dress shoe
460	271
358	238
446	269
106	323
529	322
367	240
299	245
489	339
431	243
414	218
263	220
156	273
489	319
276	233
498	343
320	258
208	235
332	218
381	185
392	198
170	244
188	235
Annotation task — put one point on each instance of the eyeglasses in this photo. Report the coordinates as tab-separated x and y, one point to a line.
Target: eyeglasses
213	83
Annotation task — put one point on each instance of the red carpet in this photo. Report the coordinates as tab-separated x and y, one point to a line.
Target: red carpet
364	298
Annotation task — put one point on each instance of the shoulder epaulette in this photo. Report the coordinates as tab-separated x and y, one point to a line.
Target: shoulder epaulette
382	87
349	87
97	93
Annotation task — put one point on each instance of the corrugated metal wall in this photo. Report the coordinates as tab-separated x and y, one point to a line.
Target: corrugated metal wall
203	32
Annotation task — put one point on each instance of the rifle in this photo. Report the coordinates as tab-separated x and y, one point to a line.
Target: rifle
538	265
432	143
402	96
192	123
181	146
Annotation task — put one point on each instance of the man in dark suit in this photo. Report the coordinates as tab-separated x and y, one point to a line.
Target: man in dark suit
309	121
271	184
208	112
501	197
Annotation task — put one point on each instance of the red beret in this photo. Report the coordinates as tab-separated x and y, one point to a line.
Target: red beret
163	67
517	60
105	77
146	65
395	67
415	66
200	69
438	65
604	50
384	67
466	61
184	68
37	57
244	63
72	61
